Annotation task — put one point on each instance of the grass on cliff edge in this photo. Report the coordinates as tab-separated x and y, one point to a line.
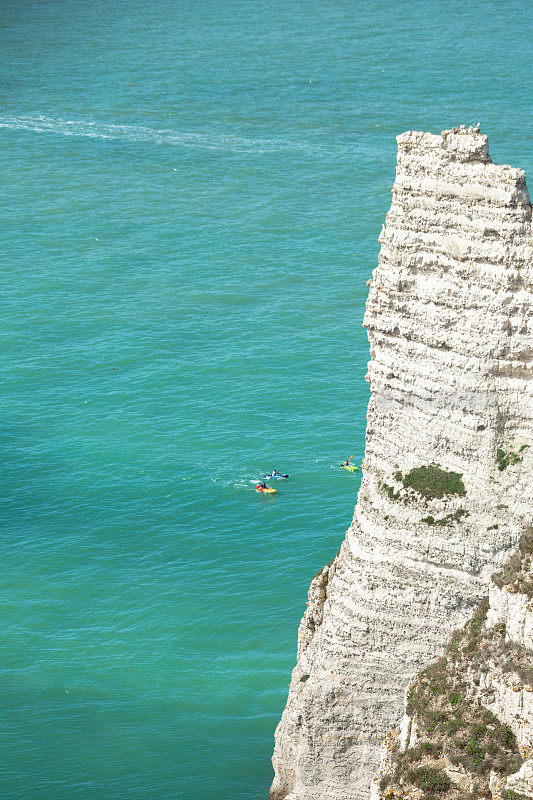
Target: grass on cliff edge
431	481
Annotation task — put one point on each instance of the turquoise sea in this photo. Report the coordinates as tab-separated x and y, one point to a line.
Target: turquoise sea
192	195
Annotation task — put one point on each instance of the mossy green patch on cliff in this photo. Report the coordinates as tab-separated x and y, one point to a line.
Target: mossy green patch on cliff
431	780
506	457
431	481
508	794
455	516
389	490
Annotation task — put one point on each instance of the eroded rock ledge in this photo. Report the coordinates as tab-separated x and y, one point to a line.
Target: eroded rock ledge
450	373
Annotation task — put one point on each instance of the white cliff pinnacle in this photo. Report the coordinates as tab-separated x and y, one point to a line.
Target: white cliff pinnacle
450	329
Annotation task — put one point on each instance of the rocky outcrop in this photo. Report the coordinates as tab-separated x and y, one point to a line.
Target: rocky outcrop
446	488
468	722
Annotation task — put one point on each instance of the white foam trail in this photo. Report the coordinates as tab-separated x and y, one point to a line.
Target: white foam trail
140	133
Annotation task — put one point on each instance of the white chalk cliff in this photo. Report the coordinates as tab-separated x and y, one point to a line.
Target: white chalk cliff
449	319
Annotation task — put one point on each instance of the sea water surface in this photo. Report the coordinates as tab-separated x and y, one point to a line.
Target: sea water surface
192	195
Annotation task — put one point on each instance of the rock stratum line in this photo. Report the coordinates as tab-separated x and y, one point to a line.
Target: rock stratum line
449	324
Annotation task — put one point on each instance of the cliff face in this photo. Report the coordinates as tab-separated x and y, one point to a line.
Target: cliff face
450	373
468	724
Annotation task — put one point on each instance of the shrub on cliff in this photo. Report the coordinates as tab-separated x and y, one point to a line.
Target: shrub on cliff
432	482
455	516
508	794
506	457
432	781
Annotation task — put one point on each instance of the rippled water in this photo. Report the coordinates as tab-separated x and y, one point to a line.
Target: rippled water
193	194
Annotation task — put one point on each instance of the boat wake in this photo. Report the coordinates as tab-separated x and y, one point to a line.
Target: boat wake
157	136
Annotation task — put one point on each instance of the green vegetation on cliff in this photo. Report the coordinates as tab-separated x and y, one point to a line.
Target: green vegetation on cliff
432	481
517	572
454	729
506	457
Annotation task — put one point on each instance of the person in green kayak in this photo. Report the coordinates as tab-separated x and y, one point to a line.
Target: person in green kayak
346	464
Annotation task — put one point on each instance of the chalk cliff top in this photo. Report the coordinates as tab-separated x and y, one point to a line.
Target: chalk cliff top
463	143
452	150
